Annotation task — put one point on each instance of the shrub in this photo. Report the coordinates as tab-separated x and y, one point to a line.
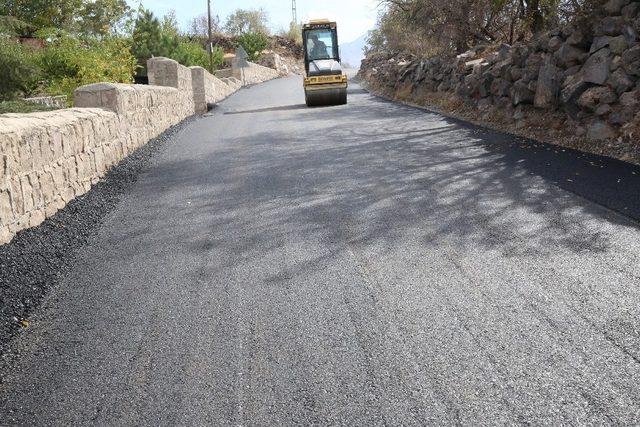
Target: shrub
19	106
189	53
294	33
18	68
253	44
69	63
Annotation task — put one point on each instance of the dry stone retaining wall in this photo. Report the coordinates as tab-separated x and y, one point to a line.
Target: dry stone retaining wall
49	158
589	76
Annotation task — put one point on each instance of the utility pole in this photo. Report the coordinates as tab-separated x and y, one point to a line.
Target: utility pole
294	13
210	45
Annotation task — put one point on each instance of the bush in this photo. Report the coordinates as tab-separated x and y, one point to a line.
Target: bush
218	58
20	106
253	44
191	53
294	33
18	68
69	63
154	38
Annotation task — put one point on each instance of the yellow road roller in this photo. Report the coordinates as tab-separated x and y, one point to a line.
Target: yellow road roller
324	83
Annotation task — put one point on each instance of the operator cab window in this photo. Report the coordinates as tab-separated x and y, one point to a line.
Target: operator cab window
320	44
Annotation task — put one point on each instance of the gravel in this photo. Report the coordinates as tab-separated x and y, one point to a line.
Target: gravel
34	262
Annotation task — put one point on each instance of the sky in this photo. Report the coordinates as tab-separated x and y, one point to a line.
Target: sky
354	17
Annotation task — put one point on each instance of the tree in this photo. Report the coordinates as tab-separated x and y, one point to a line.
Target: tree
244	21
43	13
19	72
10	26
147	40
85	17
100	17
438	26
151	37
199	26
253	44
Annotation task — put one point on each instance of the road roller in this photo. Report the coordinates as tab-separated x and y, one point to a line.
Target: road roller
324	82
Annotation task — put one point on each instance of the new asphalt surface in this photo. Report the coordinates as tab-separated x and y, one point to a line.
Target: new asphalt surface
367	264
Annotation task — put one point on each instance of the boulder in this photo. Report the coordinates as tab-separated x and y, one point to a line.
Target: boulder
596	69
630	34
500	87
569	55
444	86
630	11
521	94
572	88
599	43
468	66
603	110
613	7
530	74
572	70
578	38
631	61
480	68
617	44
501	68
503	51
534	60
594	96
599	130
484	104
620	115
484	86
616	62
609	26
548	85
620	81
630	99
515	74
555	43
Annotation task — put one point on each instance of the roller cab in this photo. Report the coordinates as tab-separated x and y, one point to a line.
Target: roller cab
324	83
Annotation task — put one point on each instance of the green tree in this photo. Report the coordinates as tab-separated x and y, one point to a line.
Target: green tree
253	44
244	21
70	62
151	37
10	26
148	40
19	70
101	17
43	13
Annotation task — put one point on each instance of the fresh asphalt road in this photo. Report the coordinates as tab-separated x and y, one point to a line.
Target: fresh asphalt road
365	264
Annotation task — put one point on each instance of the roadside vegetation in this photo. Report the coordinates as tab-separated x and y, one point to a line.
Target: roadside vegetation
52	51
439	27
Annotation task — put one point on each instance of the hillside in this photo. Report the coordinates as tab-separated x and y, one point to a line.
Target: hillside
352	52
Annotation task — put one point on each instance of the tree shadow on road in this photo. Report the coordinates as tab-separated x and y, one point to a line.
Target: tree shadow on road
374	171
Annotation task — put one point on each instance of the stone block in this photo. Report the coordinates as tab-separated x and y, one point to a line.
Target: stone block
596	68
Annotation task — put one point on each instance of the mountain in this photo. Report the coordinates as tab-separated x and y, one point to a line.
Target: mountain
351	53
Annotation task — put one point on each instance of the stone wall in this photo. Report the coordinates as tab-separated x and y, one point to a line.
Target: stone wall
255	73
49	158
252	74
208	89
589	78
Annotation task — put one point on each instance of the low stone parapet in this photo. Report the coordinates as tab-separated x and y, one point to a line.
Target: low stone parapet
208	89
49	158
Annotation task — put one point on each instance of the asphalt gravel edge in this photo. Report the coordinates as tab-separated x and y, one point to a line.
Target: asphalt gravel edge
36	260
